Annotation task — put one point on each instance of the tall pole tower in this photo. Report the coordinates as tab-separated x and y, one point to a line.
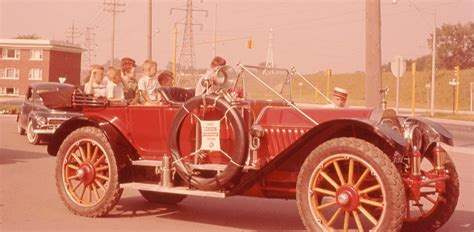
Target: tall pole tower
186	58
269	64
373	54
113	7
150	29
90	46
73	33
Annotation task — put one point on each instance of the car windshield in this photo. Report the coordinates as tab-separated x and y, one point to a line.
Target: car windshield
291	85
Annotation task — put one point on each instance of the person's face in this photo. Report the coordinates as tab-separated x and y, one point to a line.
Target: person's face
132	72
110	73
152	71
339	101
98	75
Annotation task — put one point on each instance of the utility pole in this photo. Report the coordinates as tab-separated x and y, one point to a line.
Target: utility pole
73	33
269	64
90	45
433	68
373	60
113	7
150	30
215	33
186	58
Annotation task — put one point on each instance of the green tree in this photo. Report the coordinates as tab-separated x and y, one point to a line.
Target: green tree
454	45
29	36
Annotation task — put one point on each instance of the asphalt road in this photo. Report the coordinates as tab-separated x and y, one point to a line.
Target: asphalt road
29	201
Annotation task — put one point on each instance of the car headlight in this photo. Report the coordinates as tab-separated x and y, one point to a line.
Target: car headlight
41	120
414	137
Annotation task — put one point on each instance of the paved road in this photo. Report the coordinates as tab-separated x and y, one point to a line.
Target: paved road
29	201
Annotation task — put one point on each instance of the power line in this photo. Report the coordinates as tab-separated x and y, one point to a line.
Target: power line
90	46
73	33
269	64
113	7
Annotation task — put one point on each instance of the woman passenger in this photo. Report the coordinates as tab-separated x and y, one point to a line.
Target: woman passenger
130	83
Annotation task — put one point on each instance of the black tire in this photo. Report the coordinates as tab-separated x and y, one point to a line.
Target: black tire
20	129
162	198
368	158
111	191
31	136
445	208
238	154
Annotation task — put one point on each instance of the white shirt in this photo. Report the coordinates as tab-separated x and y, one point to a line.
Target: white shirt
114	90
149	85
98	90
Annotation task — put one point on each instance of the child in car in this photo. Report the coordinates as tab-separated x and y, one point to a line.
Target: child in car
114	90
205	82
96	84
148	85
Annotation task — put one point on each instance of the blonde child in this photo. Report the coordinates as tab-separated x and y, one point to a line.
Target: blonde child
148	85
114	85
96	84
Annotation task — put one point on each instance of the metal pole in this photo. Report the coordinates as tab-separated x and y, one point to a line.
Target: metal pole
149	34
413	71
471	95
433	69
175	44
373	60
113	35
215	33
397	101
454	98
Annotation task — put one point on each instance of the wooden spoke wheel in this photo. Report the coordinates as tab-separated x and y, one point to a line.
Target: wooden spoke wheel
434	208
349	184
86	173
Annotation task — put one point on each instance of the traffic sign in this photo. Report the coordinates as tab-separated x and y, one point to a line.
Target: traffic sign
62	79
398	66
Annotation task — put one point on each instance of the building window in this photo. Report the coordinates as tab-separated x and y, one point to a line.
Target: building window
10	73
36	54
9	91
10	54
35	74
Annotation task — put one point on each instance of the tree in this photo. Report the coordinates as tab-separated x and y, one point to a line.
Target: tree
454	45
29	36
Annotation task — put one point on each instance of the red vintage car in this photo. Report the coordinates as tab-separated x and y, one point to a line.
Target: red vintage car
348	169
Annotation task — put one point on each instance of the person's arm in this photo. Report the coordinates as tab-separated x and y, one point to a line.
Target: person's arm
109	90
142	90
88	85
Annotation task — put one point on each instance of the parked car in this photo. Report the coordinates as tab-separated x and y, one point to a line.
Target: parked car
37	120
348	169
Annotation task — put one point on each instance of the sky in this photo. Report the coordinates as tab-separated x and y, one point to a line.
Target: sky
311	35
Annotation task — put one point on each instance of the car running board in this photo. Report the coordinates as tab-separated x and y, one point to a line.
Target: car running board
173	190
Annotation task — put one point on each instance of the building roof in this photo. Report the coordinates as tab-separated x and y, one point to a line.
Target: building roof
41	43
58	85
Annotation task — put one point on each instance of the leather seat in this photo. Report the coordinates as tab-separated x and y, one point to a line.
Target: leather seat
175	95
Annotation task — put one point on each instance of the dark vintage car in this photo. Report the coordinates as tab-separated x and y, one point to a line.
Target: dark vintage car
348	169
37	120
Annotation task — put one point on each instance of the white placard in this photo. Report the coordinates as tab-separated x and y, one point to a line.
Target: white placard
62	79
210	135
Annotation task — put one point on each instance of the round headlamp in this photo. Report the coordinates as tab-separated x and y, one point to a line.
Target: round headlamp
414	137
41	120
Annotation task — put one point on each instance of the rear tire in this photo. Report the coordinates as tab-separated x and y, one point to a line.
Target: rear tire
20	129
162	198
370	197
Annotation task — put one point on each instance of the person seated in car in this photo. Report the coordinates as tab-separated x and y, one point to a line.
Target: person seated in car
165	79
148	85
130	83
114	87
96	84
339	97
204	84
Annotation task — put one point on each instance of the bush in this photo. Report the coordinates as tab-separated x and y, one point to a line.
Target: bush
8	109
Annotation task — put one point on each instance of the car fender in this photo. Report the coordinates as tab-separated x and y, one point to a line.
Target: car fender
293	156
115	138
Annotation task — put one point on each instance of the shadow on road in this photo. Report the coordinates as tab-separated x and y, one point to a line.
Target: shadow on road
247	215
8	156
460	221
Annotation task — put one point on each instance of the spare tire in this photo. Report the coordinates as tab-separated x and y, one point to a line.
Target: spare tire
237	152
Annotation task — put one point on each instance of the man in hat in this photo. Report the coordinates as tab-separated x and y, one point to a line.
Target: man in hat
339	97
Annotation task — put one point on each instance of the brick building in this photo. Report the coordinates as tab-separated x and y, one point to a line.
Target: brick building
23	61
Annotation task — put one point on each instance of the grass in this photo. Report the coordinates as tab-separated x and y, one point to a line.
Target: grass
461	117
8	109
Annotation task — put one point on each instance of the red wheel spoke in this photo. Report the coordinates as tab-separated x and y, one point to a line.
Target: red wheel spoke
367	215
78	160
97	182
329	179
78	185
73	177
357	221
83	154
362	178
325	191
102	177
82	193
330	203
96	191
103	168
88	156
334	217
102	158
372	203
370	189
351	172
72	166
346	221
94	155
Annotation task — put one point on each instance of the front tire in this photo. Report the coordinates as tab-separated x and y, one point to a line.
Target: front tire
32	137
86	173
349	184
20	129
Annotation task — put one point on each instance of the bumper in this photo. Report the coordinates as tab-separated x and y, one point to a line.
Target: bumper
46	129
